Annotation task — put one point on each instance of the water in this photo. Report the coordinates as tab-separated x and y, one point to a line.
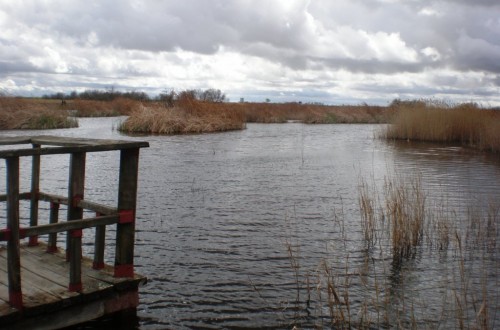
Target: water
217	214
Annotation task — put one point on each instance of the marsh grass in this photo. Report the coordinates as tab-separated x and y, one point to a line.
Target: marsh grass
311	113
188	116
465	124
400	225
19	113
90	108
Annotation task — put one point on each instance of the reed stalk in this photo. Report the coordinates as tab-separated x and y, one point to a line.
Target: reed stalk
466	124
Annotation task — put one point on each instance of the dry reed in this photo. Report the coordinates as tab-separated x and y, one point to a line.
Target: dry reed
19	113
190	116
311	113
118	107
466	124
377	293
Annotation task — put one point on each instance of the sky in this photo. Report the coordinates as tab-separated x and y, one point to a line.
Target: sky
328	51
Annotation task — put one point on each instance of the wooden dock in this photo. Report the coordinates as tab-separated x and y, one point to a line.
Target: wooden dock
43	286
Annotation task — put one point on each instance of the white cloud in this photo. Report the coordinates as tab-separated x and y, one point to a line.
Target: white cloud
339	49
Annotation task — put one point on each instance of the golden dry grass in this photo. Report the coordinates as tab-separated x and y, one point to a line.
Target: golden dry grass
311	113
466	124
90	108
188	116
19	113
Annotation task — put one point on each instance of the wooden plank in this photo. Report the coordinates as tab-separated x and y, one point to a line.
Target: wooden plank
85	204
73	315
71	141
71	225
96	207
15	140
36	289
56	263
64	145
53	198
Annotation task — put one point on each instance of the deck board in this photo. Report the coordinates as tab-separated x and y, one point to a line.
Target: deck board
45	279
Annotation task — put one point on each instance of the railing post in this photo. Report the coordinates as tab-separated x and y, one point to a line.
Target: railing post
127	195
74	238
53	218
100	240
13	246
35	189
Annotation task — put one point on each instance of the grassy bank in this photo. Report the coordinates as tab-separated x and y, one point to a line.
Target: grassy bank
188	116
464	124
19	113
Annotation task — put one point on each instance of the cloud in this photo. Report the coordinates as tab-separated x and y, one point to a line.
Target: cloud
245	45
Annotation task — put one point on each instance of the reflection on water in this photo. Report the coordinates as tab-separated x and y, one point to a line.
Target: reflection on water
217	213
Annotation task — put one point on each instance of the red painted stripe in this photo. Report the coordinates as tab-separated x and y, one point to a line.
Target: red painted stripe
126	216
51	249
16	299
75	287
98	265
124	271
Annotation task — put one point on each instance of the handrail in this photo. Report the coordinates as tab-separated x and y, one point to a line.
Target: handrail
123	216
61	226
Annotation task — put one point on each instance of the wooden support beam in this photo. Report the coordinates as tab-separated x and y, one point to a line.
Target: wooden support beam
13	247
127	196
76	190
35	189
100	242
54	218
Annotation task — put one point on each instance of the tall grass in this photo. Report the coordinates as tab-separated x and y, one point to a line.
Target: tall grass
311	113
465	124
188	116
388	289
90	108
18	113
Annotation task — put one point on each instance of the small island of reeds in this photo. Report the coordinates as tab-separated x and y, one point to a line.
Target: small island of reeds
466	124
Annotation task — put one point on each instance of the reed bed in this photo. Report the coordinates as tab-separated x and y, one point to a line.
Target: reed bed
387	290
465	124
19	113
90	108
311	113
188	116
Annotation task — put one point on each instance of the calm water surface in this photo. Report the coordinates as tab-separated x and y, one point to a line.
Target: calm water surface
217	213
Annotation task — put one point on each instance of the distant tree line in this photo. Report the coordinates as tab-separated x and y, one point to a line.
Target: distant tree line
168	96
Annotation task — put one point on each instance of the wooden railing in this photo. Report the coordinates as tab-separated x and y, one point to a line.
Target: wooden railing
123	215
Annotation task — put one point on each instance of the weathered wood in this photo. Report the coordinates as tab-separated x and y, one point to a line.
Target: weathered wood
53	219
84	204
70	225
22	196
76	190
35	189
50	304
100	241
13	247
127	195
15	140
45	276
53	198
65	145
96	207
